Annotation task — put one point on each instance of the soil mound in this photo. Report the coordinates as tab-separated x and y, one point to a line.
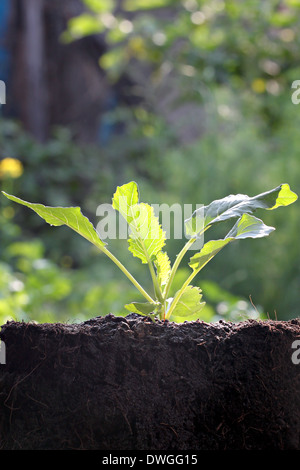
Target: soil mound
114	383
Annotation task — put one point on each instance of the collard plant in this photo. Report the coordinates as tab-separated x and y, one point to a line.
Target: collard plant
147	241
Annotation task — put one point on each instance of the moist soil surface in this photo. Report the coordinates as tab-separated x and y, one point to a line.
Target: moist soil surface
114	383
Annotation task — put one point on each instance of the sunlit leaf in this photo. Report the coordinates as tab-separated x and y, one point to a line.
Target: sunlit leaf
163	268
144	308
70	216
247	226
234	206
189	303
146	235
124	198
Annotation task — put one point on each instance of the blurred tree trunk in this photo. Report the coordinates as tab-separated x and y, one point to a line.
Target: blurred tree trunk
34	55
54	83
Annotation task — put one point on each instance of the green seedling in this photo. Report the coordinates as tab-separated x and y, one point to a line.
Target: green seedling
147	241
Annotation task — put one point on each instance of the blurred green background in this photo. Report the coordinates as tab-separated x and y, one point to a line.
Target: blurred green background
195	104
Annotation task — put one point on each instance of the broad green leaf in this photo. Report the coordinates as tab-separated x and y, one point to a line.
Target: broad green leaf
189	303
163	268
246	226
234	206
124	198
146	235
209	250
285	197
249	226
144	308
70	216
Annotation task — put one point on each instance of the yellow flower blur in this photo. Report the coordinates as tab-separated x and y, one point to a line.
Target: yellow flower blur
259	85
10	168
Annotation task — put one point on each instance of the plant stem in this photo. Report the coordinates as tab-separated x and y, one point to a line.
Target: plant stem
179	293
155	281
127	274
176	264
189	279
178	261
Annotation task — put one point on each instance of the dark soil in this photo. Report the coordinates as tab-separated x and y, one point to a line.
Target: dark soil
115	383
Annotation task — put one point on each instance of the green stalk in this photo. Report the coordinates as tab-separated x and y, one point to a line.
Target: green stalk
178	261
127	274
176	264
155	281
173	271
180	292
